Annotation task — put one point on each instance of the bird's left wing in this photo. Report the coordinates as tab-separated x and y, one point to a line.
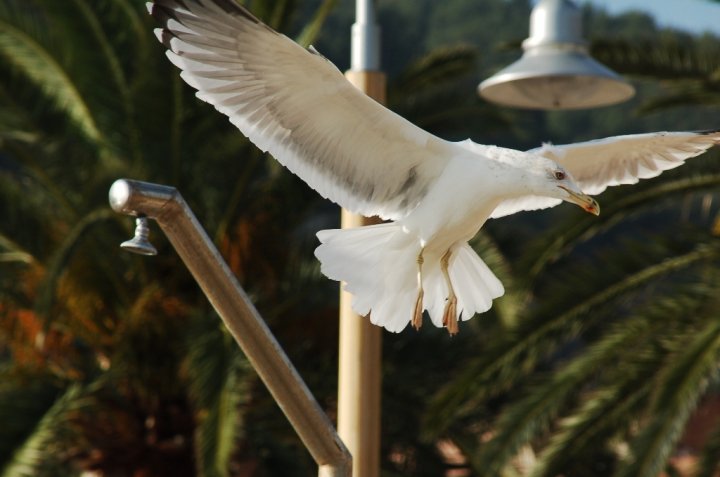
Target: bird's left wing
599	164
295	104
596	165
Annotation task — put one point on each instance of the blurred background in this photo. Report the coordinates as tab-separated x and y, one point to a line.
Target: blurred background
602	359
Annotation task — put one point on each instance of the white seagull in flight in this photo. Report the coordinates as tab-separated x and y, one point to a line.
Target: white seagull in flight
296	105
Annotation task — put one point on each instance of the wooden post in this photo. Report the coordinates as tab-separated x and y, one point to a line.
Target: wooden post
359	382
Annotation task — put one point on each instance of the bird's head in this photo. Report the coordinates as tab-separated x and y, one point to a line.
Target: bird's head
554	181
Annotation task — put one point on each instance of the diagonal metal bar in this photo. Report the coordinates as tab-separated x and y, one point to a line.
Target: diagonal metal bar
166	206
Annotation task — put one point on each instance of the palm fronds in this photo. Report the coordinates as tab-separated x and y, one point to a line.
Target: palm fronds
218	387
29	56
311	30
689	70
43	448
86	96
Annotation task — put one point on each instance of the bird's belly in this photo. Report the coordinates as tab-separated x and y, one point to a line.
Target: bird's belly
440	230
457	206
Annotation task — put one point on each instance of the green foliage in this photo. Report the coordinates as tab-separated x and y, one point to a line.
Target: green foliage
42	448
593	361
86	97
689	68
218	385
607	306
709	464
24	47
442	76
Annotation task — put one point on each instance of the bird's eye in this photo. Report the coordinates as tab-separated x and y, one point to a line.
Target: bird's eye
559	175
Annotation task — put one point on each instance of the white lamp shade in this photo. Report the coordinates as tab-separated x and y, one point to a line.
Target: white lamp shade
555	72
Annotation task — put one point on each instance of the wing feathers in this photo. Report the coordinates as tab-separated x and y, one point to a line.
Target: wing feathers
296	105
596	165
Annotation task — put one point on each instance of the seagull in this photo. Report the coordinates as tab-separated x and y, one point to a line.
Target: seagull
434	194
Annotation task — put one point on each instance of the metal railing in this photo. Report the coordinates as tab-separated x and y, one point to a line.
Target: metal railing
166	206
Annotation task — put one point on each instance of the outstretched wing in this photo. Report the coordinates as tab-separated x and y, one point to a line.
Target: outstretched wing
596	165
295	104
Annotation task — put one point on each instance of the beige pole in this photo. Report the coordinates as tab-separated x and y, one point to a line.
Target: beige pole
360	358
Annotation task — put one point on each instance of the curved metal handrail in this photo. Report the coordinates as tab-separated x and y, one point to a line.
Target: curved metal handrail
166	206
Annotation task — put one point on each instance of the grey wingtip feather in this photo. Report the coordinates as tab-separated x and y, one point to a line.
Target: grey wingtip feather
713	133
228	6
162	10
709	132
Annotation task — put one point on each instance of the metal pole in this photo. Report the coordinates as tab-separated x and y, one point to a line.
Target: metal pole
169	209
359	375
365	45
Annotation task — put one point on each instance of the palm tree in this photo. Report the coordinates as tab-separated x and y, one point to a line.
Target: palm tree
109	363
615	341
686	66
613	351
115	364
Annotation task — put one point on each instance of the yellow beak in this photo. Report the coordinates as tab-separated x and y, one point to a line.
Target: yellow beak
586	202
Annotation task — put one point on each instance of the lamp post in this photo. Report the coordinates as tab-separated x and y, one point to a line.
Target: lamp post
360	352
556	71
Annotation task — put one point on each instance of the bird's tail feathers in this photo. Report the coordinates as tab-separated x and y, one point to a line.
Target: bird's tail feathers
476	286
378	264
375	262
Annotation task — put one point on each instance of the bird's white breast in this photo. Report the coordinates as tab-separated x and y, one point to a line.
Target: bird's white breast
458	204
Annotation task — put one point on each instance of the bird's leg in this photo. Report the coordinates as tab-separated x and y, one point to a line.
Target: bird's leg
450	319
417	313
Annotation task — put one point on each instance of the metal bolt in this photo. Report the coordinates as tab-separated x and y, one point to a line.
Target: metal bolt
139	243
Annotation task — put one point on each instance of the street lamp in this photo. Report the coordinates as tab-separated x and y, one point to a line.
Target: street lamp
360	353
556	71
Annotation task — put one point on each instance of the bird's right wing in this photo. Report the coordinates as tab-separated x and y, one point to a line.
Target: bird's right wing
295	104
